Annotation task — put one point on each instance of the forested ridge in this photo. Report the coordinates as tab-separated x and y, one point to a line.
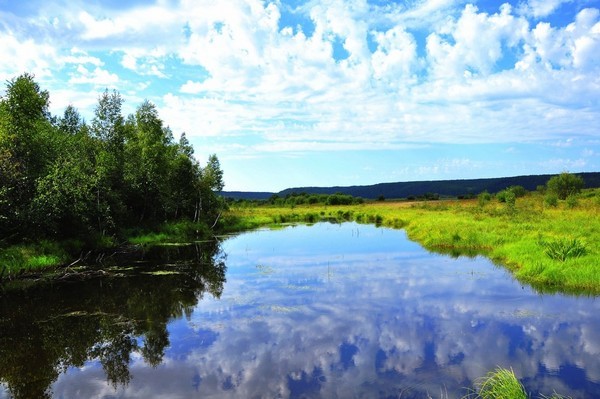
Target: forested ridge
61	177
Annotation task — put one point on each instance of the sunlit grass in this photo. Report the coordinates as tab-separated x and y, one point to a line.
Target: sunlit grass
502	383
42	255
498	384
516	237
182	231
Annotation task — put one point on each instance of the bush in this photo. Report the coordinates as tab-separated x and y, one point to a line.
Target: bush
511	192
518	191
501	195
551	200
565	184
483	198
572	201
511	199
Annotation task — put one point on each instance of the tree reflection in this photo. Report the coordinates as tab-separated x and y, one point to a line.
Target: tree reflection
50	327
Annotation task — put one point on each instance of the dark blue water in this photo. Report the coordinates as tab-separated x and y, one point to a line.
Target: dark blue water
329	311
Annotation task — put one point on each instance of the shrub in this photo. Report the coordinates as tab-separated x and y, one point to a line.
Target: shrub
501	195
518	191
551	200
572	201
565	184
483	198
510	199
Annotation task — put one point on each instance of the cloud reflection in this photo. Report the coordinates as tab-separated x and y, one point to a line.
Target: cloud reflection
369	315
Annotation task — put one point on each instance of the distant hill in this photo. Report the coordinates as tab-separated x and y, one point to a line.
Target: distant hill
449	188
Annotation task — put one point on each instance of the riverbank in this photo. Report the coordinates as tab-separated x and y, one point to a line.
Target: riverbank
554	248
46	257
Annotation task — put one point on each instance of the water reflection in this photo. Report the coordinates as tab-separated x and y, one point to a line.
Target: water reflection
51	328
338	311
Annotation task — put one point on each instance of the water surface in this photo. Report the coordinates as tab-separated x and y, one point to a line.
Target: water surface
308	311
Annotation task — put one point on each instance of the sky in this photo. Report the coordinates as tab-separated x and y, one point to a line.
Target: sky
292	93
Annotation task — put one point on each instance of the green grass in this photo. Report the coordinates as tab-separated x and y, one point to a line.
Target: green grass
46	255
502	384
182	231
499	384
30	257
564	249
554	249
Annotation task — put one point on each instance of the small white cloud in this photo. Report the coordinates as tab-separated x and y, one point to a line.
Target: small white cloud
96	77
190	87
541	8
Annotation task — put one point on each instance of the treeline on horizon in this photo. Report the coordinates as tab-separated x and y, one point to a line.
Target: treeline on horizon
61	177
416	190
552	187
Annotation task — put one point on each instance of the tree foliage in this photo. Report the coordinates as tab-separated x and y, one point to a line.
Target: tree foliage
565	184
60	177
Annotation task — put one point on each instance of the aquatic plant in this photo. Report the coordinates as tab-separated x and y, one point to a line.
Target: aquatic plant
498	384
503	384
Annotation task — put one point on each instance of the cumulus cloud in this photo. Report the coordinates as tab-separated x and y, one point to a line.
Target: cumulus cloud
408	72
542	8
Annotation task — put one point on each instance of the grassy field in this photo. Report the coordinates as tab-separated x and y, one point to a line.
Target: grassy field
553	248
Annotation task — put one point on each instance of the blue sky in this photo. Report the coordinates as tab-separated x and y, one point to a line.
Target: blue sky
293	93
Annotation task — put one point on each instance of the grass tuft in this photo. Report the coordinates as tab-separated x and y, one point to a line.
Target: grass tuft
498	384
563	249
503	384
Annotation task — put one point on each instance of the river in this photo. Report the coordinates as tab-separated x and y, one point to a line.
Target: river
322	311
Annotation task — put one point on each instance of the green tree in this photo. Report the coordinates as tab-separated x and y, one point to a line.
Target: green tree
185	175
108	128
565	184
147	163
26	148
212	174
210	204
71	123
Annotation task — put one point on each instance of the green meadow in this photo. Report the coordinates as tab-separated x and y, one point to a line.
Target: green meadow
553	245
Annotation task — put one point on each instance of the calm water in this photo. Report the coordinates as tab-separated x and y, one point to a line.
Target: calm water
331	311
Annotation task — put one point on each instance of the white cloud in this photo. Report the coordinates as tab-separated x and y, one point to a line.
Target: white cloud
542	8
478	40
25	55
475	73
97	77
191	87
395	59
